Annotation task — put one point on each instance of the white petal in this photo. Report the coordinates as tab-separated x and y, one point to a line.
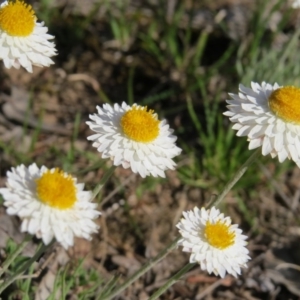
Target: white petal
45	221
150	158
252	117
210	258
34	49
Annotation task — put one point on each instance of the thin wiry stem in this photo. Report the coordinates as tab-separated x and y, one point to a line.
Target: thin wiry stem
173	245
171	281
14	255
214	202
235	179
25	266
103	180
150	264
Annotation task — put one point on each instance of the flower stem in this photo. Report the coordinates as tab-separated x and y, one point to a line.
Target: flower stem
13	256
102	182
42	248
173	245
171	281
215	202
151	263
235	179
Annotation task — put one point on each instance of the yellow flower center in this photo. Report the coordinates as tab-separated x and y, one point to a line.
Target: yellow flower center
285	104
140	125
56	189
218	235
17	18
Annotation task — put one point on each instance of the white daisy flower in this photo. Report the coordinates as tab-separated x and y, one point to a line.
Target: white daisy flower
23	41
50	204
214	243
133	137
270	117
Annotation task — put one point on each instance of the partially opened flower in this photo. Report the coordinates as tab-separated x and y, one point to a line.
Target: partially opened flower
269	115
214	243
23	41
132	136
50	203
